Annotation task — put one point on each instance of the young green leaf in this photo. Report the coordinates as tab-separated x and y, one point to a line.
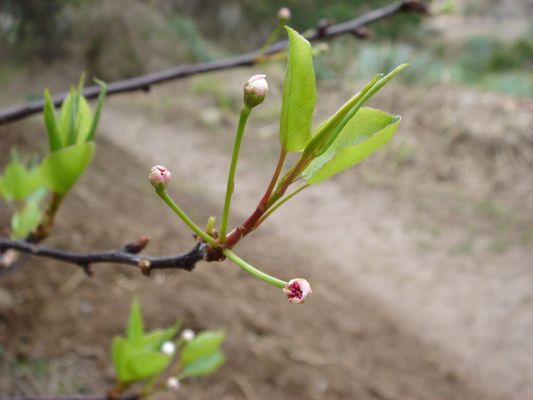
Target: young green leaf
52	129
326	132
24	221
84	120
99	104
135	329
365	132
299	95
203	345
329	130
61	169
204	365
121	351
65	116
147	364
155	339
19	182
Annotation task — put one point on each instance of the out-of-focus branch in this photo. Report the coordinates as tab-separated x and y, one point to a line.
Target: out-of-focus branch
144	82
131	396
128	256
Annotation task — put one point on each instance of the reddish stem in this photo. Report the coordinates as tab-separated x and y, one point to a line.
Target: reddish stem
236	234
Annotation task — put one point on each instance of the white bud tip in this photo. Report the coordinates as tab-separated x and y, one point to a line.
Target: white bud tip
159	177
188	335
255	90
297	290
173	383
168	348
284	14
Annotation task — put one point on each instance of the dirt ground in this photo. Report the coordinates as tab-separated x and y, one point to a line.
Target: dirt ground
420	258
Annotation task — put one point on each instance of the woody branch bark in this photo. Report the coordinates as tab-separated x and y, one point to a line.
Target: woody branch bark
126	256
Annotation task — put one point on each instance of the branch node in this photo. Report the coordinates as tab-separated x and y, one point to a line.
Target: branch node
145	265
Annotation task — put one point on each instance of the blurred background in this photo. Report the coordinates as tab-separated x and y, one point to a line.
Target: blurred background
420	258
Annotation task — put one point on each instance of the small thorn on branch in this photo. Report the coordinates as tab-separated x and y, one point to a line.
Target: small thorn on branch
86	267
362	33
322	27
137	246
415	5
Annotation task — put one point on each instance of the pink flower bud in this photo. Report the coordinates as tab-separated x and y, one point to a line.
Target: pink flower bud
297	290
284	14
159	177
255	90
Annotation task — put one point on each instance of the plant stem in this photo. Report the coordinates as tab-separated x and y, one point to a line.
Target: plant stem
254	271
272	38
235	235
185	218
245	113
279	204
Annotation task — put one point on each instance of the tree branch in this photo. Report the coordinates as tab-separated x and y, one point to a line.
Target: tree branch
127	255
131	396
144	82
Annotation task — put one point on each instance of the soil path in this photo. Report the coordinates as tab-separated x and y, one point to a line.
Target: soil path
400	246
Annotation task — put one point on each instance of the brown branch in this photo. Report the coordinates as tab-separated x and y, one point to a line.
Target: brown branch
127	256
144	82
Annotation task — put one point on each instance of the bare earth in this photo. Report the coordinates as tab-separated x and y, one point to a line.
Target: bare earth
420	258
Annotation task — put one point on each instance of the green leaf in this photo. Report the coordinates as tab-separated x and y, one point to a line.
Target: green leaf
202	345
24	221
65	116
52	129
99	105
135	329
299	95
84	121
121	351
330	129
204	365
364	133
155	339
18	182
145	365
61	169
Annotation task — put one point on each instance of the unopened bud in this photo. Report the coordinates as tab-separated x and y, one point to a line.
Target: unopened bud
173	383
255	90
159	177
297	290
284	14
187	335
168	348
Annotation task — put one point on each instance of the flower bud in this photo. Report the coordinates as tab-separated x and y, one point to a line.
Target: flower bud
168	348
297	290
187	335
159	177
284	14
173	383
255	90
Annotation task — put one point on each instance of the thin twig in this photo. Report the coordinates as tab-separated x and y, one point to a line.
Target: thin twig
186	261
131	396
144	82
